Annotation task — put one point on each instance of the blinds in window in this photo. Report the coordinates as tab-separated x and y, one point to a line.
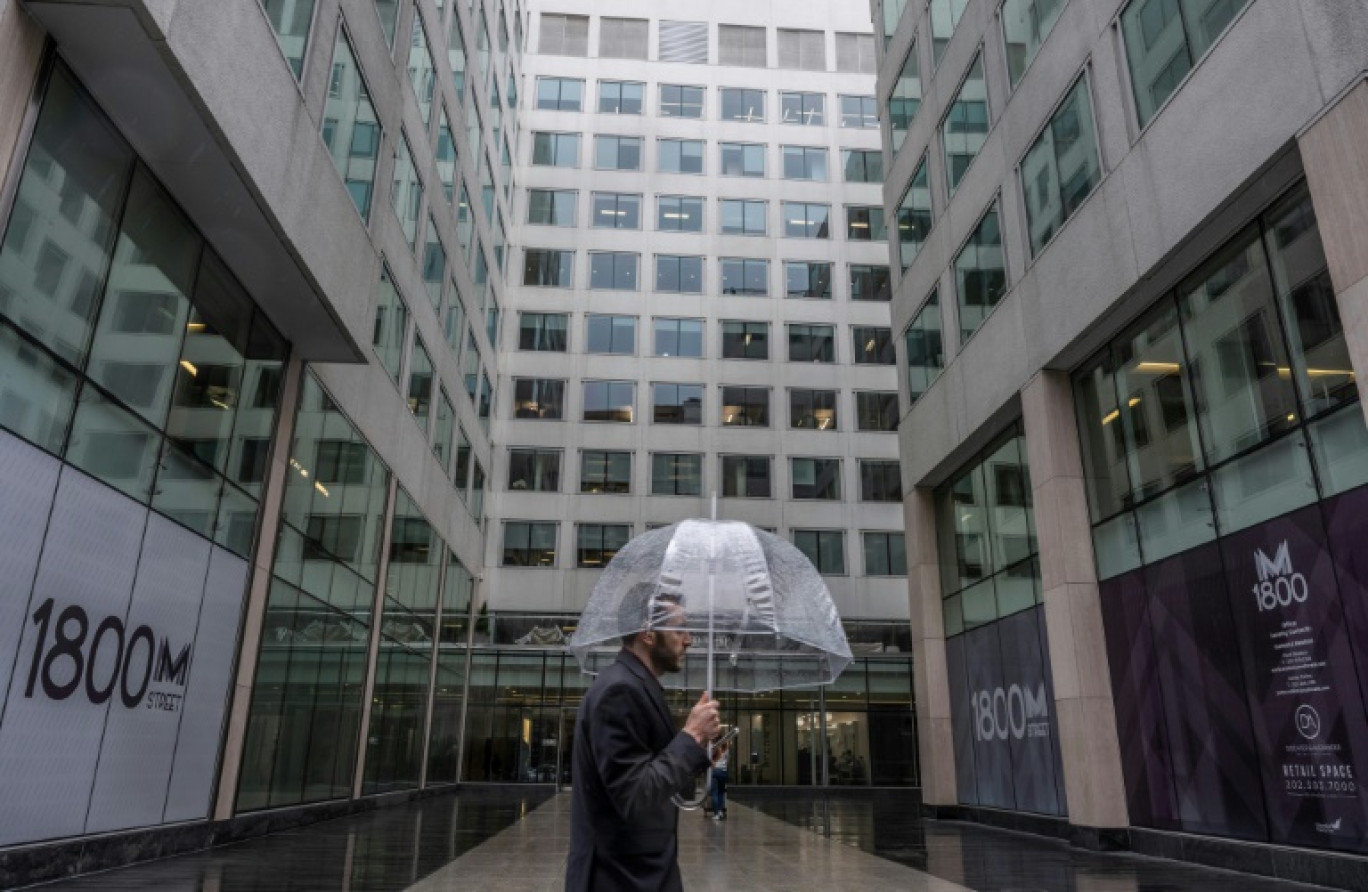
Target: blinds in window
855	52
622	38
741	45
564	35
803	50
684	42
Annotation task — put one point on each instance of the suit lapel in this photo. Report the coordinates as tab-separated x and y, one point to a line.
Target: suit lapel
652	685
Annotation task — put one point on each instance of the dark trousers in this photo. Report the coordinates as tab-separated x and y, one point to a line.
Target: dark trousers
719	790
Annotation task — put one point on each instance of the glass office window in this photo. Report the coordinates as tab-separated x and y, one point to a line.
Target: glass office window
807	279
745	406
862	165
742	159
746	476
745	340
391	325
679	274
679	213
420	68
865	224
965	127
434	264
678	337
1164	39
548	269
892	14
745	276
612	401
445	157
406	192
804	163
876	410
859	112
880	481
456	55
598	543
805	220
676	474
873	345
543	331
291	19
534	470
980	274
678	101
1025	25
869	282
465	222
560	94
808	109
529	544
1061	168
813	410
420	384
445	429
614	335
541	399
745	105
615	210
816	478
617	153
885	554
613	271
945	17
552	207
743	217
555	149
825	548
905	99
388	10
680	155
351	130
605	472
811	343
621	97
922	342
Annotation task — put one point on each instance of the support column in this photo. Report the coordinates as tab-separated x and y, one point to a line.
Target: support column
1337	177
260	592
930	683
21	52
1094	787
376	639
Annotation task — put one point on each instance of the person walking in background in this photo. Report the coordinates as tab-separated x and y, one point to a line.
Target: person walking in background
719	782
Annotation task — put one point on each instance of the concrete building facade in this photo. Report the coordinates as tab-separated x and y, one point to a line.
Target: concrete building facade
1133	444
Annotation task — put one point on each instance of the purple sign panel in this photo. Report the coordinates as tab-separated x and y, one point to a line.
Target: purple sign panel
1002	710
1216	779
1139	702
1346	528
1303	687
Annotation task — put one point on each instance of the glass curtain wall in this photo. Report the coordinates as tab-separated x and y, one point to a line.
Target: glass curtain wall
127	347
304	723
407	624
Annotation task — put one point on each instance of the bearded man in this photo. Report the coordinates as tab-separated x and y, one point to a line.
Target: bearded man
629	760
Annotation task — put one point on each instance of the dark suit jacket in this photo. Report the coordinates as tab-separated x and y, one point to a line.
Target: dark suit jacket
629	759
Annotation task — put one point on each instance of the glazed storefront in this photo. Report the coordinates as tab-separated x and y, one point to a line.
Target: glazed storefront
525	688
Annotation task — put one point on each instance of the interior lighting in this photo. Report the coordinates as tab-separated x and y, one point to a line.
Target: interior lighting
1157	368
189	367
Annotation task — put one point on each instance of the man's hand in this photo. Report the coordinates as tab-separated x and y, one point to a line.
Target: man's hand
704	721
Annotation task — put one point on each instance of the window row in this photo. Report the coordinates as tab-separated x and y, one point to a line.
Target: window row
743	104
672	336
564	34
614	401
533	544
736	159
681	474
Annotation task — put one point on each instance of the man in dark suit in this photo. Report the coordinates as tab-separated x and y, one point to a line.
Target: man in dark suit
629	760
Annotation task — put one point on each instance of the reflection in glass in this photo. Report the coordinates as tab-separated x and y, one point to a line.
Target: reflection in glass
420	68
1025	25
1061	169
391	325
922	343
113	445
945	17
1164	39
980	274
914	216
351	130
905	100
966	124
290	19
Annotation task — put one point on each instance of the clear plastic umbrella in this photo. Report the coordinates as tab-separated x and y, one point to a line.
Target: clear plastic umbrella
754	601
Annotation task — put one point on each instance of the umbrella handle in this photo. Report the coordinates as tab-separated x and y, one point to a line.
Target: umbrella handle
697	802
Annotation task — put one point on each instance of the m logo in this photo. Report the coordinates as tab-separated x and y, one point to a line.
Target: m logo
1281	565
1279	584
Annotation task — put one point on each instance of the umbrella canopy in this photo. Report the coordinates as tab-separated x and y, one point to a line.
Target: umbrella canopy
760	614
